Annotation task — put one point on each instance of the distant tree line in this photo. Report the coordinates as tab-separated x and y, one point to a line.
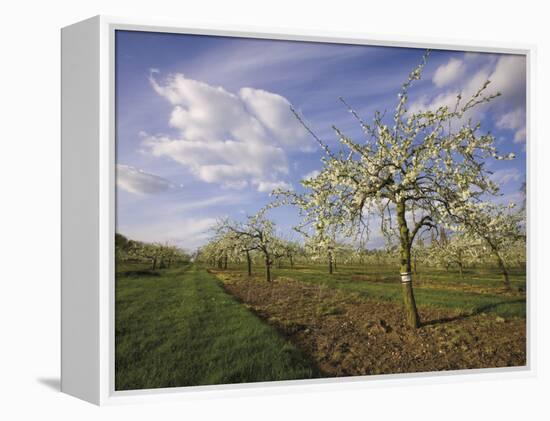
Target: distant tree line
156	255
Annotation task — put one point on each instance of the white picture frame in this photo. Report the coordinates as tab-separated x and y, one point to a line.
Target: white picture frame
88	214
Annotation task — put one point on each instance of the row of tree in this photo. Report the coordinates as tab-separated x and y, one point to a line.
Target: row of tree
240	243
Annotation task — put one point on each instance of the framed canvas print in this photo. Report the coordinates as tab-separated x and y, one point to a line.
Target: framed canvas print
247	209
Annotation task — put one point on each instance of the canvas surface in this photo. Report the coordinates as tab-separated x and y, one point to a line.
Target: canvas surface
292	210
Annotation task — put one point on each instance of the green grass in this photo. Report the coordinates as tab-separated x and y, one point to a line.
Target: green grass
177	327
439	288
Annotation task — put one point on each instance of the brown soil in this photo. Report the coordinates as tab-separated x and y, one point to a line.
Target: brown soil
347	335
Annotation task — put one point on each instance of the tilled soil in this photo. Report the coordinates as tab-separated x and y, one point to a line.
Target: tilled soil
346	335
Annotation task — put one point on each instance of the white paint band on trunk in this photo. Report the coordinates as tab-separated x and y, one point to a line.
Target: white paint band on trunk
406	277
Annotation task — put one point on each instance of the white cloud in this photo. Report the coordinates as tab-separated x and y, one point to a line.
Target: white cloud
520	135
230	163
504	176
514	120
311	174
268	186
449	72
448	97
273	111
140	182
516	197
507	76
235	140
470	55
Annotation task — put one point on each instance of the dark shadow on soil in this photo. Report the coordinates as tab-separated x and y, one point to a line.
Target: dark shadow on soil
477	311
52	383
447	319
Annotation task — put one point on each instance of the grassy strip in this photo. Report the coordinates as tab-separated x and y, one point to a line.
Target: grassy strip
178	327
485	277
467	302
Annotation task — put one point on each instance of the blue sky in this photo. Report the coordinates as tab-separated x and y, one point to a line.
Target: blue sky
204	127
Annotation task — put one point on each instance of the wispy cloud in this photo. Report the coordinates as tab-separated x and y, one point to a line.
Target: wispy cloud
139	182
204	203
187	233
448	72
250	60
514	120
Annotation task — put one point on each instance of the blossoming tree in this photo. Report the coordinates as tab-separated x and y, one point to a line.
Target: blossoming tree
414	169
501	227
257	233
462	249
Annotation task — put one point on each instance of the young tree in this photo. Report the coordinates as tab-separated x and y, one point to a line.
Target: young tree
258	233
322	248
169	254
290	250
418	252
208	254
152	252
460	250
515	253
244	245
416	170
499	226
220	248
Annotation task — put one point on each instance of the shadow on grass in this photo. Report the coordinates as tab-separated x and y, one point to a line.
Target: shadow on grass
137	273
481	309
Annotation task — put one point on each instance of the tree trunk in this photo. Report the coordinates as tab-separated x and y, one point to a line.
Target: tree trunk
330	267
154	263
248	263
291	261
503	269
460	270
413	319
267	268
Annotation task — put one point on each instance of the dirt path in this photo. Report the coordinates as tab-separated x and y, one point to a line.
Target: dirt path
348	335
